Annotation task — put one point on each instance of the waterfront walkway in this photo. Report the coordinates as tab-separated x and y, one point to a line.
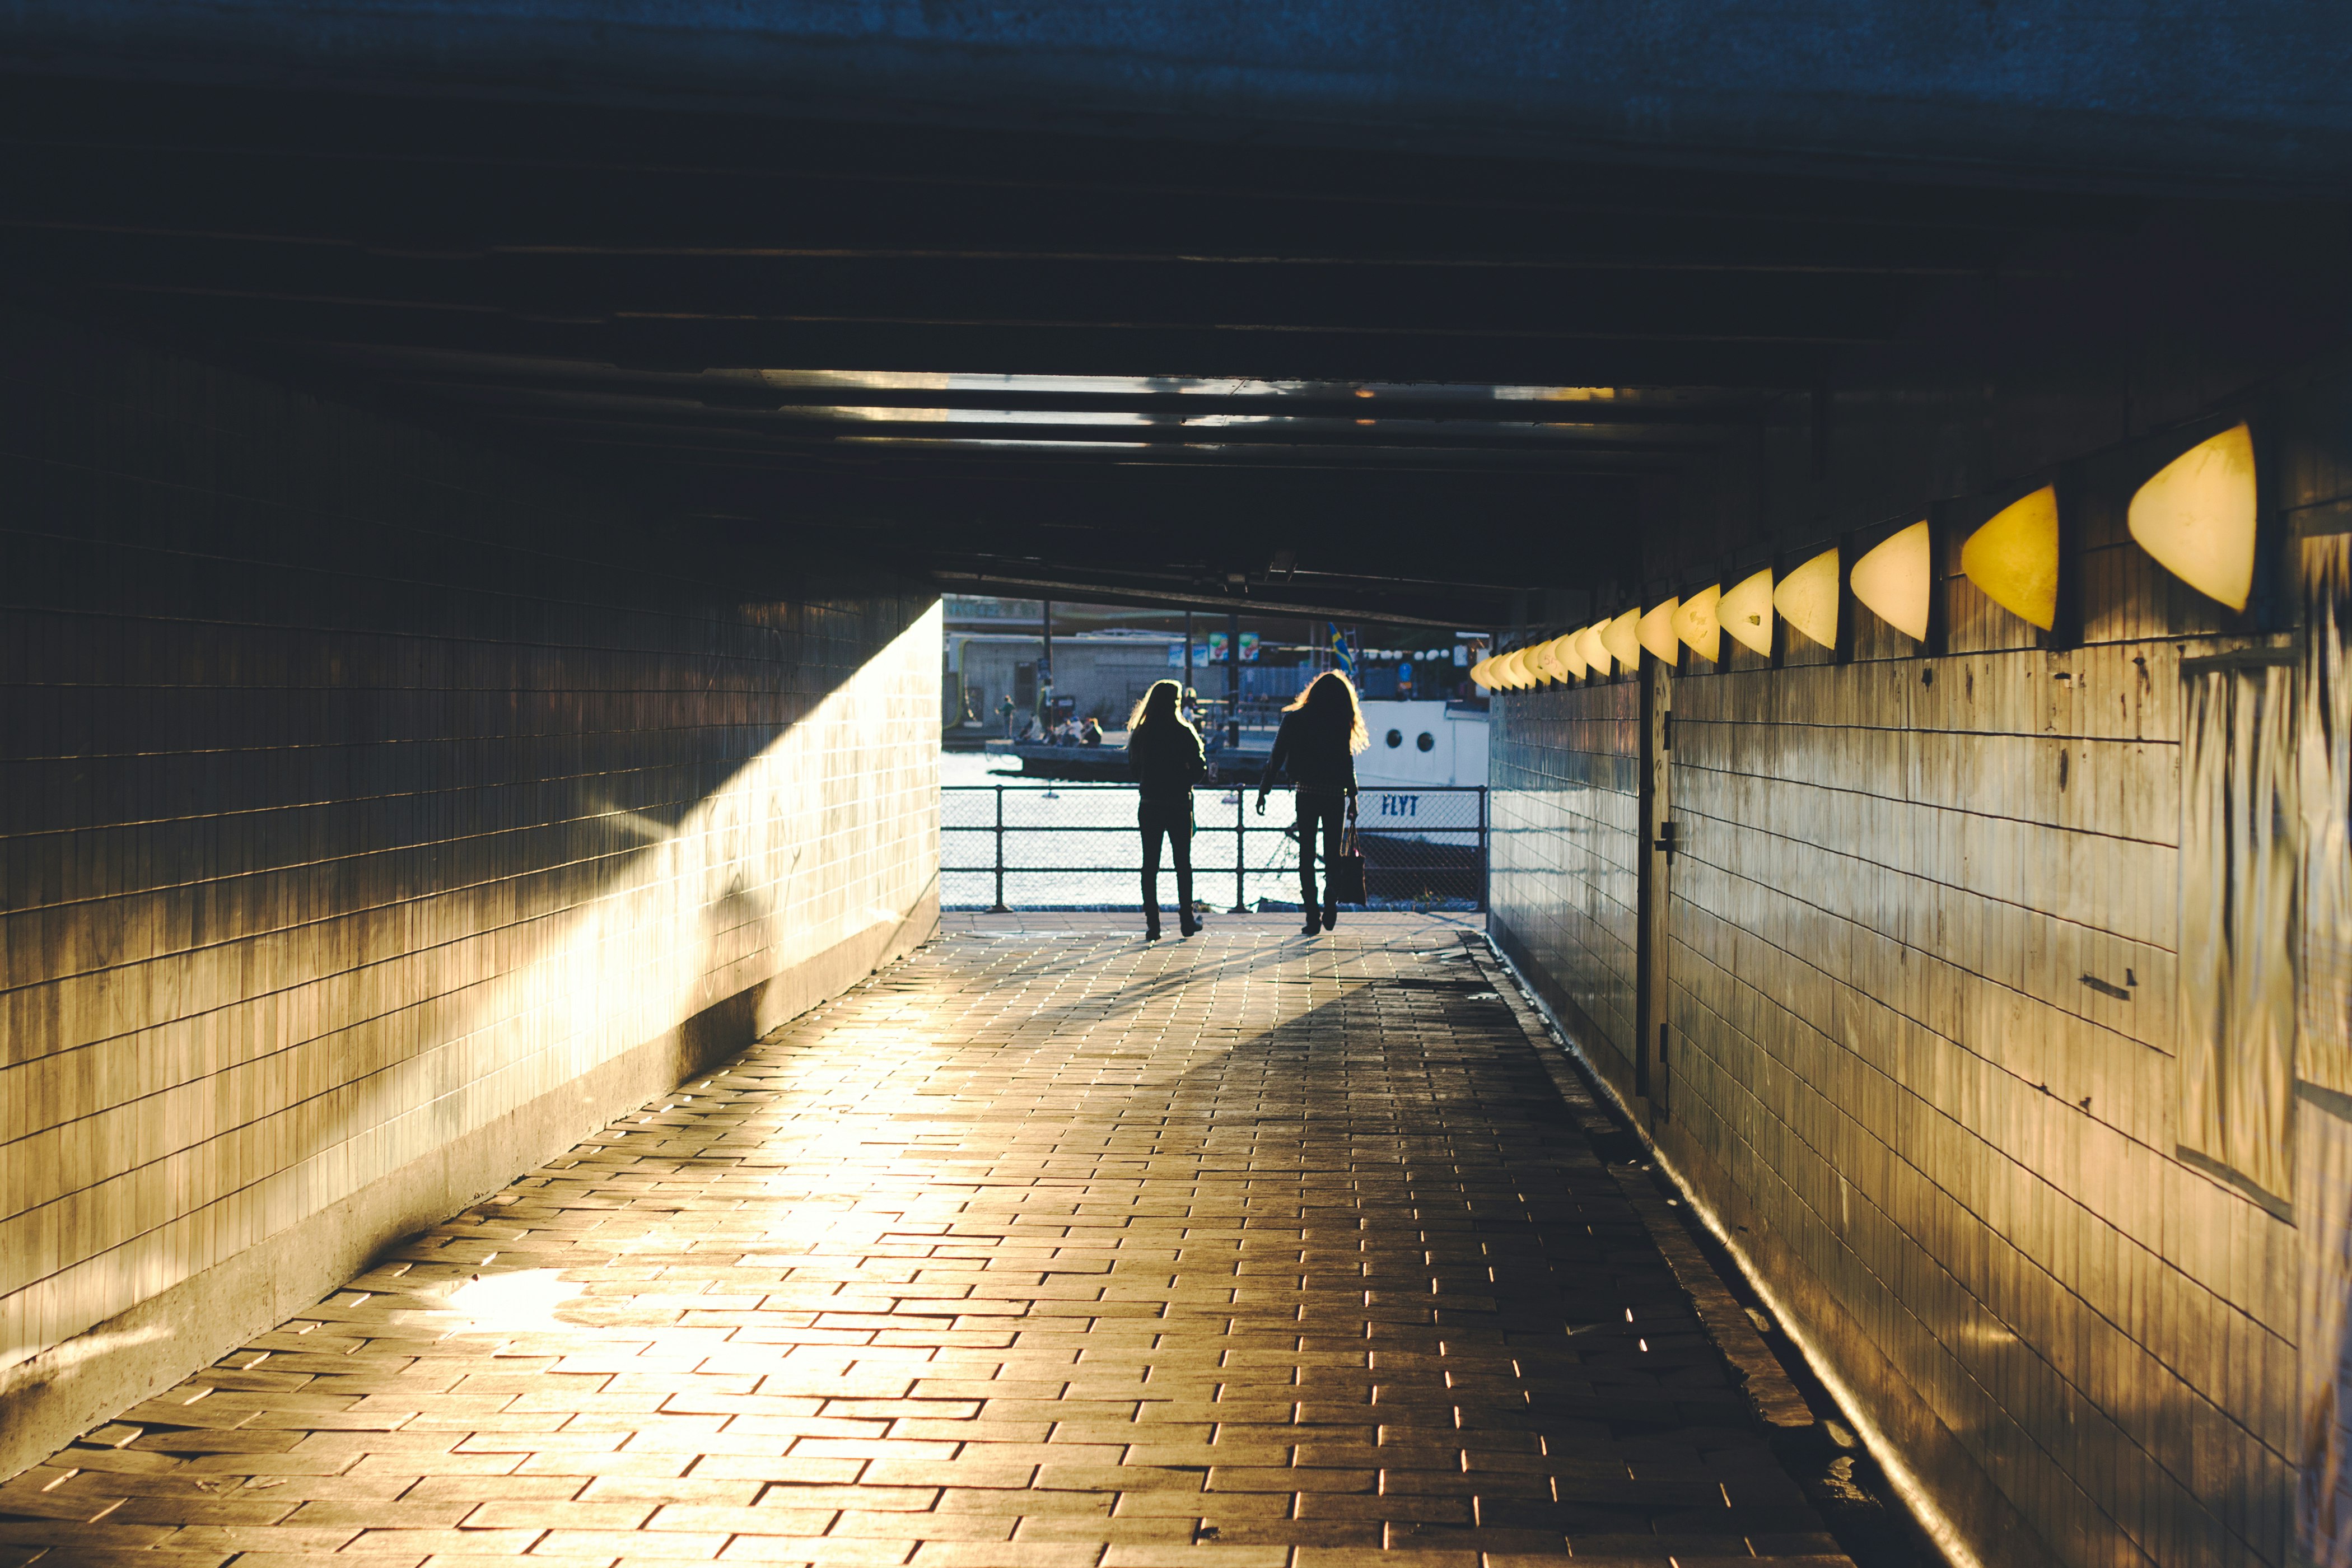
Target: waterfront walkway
1042	1249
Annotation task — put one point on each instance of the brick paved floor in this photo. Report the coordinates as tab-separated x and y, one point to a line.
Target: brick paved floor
1043	1247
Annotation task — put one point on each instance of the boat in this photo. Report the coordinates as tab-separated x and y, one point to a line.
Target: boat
1430	744
1416	747
1421	832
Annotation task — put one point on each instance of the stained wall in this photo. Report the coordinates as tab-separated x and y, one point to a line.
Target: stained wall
377	816
1923	1042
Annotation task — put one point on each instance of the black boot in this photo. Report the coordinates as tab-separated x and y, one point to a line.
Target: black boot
1312	923
1330	914
1188	922
1151	925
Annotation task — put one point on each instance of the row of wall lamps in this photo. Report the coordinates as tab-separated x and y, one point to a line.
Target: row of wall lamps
2196	517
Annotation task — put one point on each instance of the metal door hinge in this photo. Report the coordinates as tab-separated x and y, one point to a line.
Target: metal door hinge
1665	842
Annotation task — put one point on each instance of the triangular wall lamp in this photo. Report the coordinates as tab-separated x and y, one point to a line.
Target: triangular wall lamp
1746	612
2014	558
1695	624
1807	598
2197	517
1657	631
1596	653
1623	641
1570	656
1895	580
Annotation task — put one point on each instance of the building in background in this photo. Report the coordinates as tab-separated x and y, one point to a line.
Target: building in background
1095	675
1104	657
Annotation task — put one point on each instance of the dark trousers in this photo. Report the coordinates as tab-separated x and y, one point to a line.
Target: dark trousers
1174	819
1330	811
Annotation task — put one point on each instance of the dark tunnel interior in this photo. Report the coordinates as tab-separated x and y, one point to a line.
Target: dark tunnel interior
498	499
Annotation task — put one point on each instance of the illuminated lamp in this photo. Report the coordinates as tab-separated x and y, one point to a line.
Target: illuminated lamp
1478	674
1695	624
1807	598
1658	631
1498	672
2014	558
1895	578
1622	640
1514	673
1542	665
2197	517
1596	655
1746	612
1570	656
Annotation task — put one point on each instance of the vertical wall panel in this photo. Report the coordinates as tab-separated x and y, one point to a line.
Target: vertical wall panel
2324	1048
2240	858
2324	1197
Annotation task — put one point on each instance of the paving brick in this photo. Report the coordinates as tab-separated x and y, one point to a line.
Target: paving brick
787	1549
1046	1251
490	1542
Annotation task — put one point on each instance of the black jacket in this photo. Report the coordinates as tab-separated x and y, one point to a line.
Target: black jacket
1165	761
1314	754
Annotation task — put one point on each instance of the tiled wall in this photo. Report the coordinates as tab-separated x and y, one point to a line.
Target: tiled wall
1564	839
1955	1158
375	815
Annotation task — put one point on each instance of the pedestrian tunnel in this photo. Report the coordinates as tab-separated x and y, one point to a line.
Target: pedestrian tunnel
481	495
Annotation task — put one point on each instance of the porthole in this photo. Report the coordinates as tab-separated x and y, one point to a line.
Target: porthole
1428	743
1396	738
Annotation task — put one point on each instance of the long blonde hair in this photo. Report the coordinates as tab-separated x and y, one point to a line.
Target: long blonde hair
1157	704
1330	699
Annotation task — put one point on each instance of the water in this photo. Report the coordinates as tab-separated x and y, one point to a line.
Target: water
1073	845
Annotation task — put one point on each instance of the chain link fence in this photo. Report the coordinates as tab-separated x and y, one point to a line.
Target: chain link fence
1044	845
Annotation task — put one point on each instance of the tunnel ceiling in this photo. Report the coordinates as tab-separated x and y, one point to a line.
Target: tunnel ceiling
1267	376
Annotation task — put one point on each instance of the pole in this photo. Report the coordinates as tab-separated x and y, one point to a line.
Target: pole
1485	855
999	908
1185	706
1233	682
1045	670
1241	853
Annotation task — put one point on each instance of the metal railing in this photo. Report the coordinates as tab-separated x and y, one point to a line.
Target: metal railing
1042	844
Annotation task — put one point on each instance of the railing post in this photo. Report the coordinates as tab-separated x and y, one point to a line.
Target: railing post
999	908
1240	845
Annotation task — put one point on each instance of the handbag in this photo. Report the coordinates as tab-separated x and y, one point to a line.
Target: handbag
1343	879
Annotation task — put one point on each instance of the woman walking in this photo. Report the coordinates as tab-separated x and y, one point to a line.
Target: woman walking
1321	733
1164	754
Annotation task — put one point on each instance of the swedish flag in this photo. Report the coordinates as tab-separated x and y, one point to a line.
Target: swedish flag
1340	657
